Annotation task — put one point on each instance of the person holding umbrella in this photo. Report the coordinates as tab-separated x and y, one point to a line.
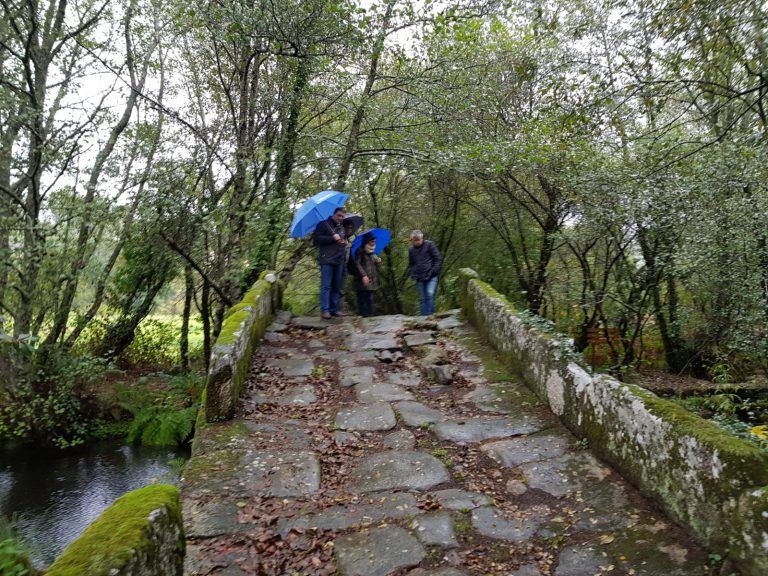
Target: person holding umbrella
330	239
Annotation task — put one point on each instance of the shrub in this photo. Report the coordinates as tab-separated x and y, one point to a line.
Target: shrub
155	344
14	560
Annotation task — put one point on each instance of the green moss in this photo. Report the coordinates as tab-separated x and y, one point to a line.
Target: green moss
495	368
110	541
221	463
734	451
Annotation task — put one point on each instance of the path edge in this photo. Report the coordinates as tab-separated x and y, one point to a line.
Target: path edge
709	481
244	325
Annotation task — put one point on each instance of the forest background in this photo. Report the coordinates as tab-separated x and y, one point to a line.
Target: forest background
601	162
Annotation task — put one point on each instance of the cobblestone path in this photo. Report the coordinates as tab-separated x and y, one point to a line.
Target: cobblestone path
395	445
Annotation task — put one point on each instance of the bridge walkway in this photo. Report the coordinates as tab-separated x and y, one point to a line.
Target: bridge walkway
397	445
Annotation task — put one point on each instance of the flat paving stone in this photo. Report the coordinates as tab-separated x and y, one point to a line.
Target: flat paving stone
404	379
315	344
360	342
381	392
436	572
382	324
302	395
417	414
367	510
398	469
344	438
209	519
310	323
419	339
275	337
367	418
603	505
282	435
277	327
292	367
488	427
354	375
281	473
359	358
400	440
581	560
511	453
489	522
456	499
377	552
435	529
527	570
502	397
339	330
449	323
283	316
563	475
198	561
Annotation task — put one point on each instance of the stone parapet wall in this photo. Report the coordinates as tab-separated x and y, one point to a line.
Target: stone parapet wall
244	324
704	478
141	534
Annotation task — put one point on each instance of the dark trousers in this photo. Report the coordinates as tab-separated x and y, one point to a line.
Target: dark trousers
331	284
365	300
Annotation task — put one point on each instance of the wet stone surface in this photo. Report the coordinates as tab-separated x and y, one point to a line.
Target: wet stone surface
378	552
369	417
398	469
367	467
486	428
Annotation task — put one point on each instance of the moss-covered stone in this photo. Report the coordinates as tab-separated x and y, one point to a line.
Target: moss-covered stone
140	534
698	472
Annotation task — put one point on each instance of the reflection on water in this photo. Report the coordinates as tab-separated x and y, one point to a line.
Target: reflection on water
55	495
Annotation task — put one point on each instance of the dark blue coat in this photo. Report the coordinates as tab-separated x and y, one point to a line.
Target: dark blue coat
424	261
331	252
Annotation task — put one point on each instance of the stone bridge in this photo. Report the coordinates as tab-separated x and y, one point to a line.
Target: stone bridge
398	445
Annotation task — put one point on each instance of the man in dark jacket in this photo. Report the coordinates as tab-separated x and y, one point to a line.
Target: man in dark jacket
424	265
330	240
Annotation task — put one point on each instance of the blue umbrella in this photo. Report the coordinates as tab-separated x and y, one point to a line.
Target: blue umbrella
318	208
382	235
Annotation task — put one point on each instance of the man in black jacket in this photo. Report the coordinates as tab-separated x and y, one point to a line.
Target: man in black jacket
424	265
329	238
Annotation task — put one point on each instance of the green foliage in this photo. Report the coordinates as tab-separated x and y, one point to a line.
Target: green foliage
155	345
163	416
14	560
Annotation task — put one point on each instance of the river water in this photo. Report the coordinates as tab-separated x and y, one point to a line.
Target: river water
54	495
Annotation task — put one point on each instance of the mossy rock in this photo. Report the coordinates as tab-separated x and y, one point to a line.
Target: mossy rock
128	530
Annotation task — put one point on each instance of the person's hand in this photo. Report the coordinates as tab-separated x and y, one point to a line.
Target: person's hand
377	260
366	281
336	237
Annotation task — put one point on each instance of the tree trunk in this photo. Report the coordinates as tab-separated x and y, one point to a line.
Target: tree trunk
189	288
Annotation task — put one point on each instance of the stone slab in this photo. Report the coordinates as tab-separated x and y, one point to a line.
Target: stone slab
435	529
355	375
456	499
277	327
283	316
368	418
511	453
580	561
489	522
381	392
377	552
398	469
436	572
281	473
310	323
383	324
563	475
488	427
527	570
399	440
282	435
275	337
367	510
360	342
302	395
404	379
417	414
419	339
292	367
449	323
359	358
502	397
209	519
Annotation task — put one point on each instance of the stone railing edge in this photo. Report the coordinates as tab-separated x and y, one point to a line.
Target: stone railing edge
140	533
244	324
704	478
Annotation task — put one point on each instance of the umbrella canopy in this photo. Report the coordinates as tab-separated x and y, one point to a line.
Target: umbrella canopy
318	208
382	235
355	219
